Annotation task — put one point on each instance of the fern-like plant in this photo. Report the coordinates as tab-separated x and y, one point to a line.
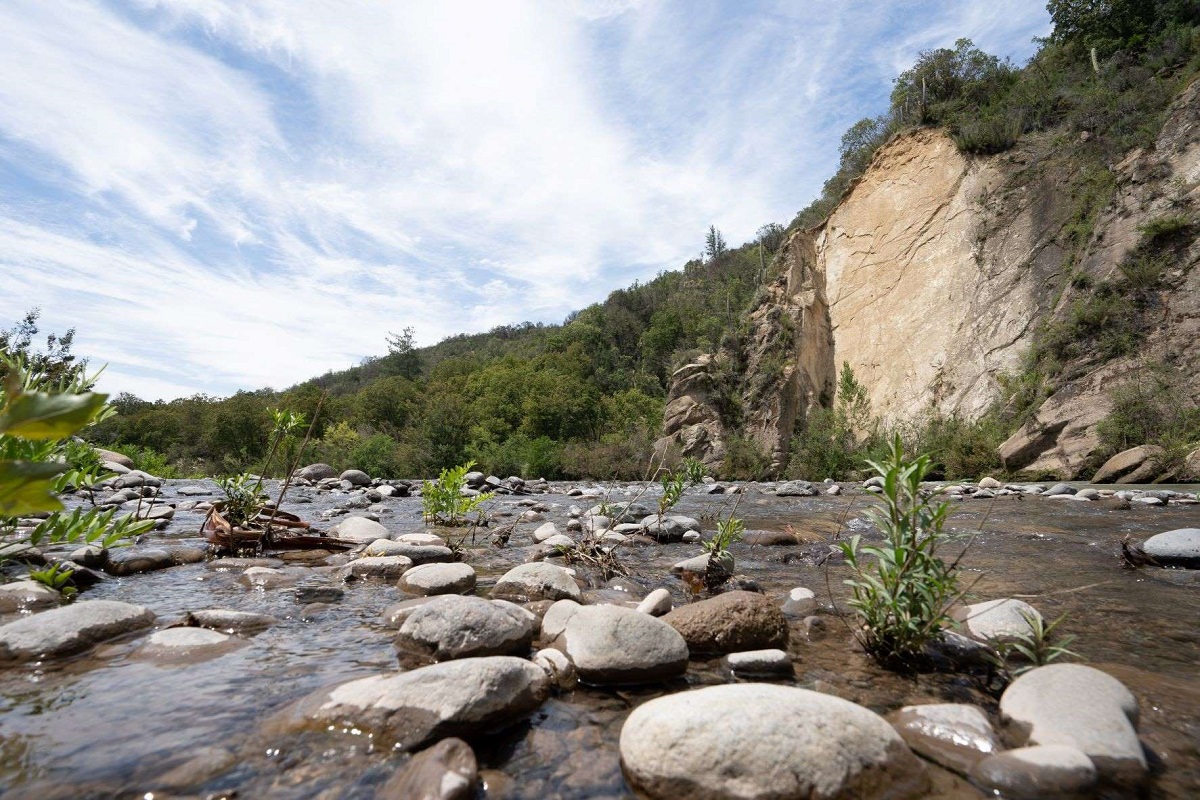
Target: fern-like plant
443	500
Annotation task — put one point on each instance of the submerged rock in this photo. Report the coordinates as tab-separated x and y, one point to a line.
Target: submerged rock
951	734
997	620
229	621
359	529
789	743
186	643
28	595
70	629
455	698
1035	773
446	771
730	622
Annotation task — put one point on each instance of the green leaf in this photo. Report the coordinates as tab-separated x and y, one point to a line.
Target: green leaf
27	487
39	415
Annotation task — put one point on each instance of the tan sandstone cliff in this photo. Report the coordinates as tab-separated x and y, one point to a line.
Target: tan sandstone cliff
930	279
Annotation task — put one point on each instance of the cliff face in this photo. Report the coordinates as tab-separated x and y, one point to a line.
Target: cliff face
933	274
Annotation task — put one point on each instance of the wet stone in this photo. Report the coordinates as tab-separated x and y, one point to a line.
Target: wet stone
657	603
800	602
229	621
445	771
27	596
131	561
769	663
70	629
263	578
1179	548
375	568
954	735
453	626
730	622
997	620
319	593
1034	773
617	645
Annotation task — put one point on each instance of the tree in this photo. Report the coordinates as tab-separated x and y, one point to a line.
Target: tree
771	237
57	364
941	76
714	244
1111	25
402	358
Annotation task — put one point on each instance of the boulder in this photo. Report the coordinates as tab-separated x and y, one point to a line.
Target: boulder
771	663
186	643
355	477
229	621
796	489
1177	548
1081	707
406	710
316	472
545	531
453	626
436	579
558	667
537	581
954	735
263	578
800	603
70	629
387	568
1034	773
1135	465
656	603
360	530
617	645
554	621
755	740
446	771
27	595
997	620
730	622
133	560
115	457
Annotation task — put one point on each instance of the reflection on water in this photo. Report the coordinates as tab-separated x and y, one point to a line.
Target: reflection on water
109	724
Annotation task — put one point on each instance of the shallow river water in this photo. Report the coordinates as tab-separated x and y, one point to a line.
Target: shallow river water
113	724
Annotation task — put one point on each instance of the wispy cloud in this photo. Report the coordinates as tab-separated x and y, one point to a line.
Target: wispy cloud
222	194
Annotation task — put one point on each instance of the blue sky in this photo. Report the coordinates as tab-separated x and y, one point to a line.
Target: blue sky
227	194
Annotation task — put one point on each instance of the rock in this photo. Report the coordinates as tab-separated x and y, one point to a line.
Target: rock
730	622
189	643
771	538
760	664
266	578
319	593
960	652
1149	501
558	667
115	468
387	568
27	595
453	626
195	491
355	477
953	735
316	472
1177	548
554	621
70	629
834	490
1191	466
359	529
997	620
455	698
446	771
545	532
616	645
115	457
789	743
1034	773
801	603
560	541
656	603
435	579
1059	488
420	539
395	615
1080	707
537	581
1135	465
228	621
665	530
423	553
699	564
133	560
796	489
90	556
990	483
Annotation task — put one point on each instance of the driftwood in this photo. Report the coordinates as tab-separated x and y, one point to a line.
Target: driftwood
270	530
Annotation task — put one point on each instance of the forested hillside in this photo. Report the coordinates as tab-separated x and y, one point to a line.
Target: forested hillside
586	398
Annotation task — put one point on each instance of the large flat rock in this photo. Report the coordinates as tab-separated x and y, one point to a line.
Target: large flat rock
70	629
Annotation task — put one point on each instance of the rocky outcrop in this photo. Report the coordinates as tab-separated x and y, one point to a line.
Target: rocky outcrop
691	422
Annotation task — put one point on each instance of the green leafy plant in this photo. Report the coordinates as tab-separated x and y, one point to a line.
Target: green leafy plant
693	470
901	589
729	531
56	577
672	490
1037	647
243	498
443	500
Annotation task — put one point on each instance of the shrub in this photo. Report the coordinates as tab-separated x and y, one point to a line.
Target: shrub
148	460
744	460
444	502
901	589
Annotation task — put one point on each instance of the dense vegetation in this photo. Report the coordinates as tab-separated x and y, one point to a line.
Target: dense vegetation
585	398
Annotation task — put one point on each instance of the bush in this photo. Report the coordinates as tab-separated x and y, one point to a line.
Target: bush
901	589
744	460
148	460
444	502
1152	409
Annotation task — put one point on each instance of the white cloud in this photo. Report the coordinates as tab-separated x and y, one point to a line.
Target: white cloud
223	194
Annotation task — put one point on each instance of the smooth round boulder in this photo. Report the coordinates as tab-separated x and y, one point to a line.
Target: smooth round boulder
545	531
730	622
360	530
435	579
70	629
456	698
1034	773
453	626
316	472
760	664
1177	548
387	568
657	603
186	644
28	595
998	620
1081	707
617	645
755	741
537	581
355	477
134	560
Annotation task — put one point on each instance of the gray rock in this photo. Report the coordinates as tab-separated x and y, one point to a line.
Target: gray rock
1059	488
796	489
800	603
657	603
316	472
425	539
195	491
545	532
133	560
356	477
990	483
558	667
1034	773
699	564
376	567
229	621
90	556
360	529
668	529
760	663
730	622
446	771
616	645
405	710
1179	548
789	743
953	735
395	614
435	579
1080	707
27	596
537	581
266	578
453	626
560	541
189	643
997	620
318	593
70	629
555	620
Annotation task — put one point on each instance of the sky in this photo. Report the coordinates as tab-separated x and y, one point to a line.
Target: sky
232	194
